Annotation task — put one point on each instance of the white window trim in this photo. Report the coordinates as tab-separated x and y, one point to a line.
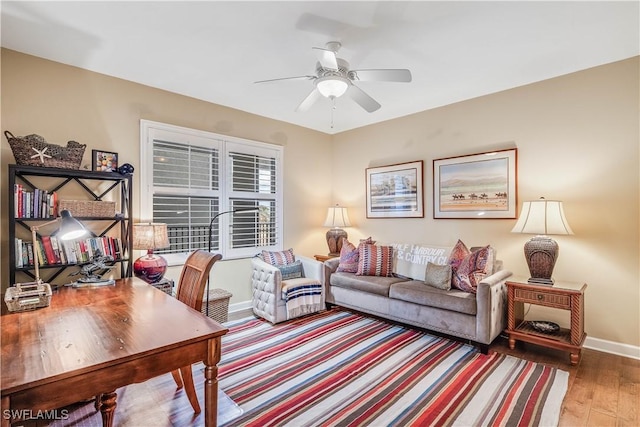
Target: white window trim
225	144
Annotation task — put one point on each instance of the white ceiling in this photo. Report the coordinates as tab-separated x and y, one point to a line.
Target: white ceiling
215	50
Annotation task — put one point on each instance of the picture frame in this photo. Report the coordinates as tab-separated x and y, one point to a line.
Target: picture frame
395	191
476	186
104	161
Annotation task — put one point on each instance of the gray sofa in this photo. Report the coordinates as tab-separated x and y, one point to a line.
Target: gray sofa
478	318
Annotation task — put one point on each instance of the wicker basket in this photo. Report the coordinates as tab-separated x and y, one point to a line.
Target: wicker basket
33	150
88	209
218	302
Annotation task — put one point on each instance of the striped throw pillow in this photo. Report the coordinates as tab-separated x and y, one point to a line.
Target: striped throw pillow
375	261
279	258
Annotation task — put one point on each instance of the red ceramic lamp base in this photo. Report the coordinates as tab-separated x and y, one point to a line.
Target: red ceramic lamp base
150	267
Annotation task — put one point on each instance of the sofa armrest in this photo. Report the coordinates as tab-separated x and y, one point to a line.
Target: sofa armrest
265	283
313	269
330	267
491	300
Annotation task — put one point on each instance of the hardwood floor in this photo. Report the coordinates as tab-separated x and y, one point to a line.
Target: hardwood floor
604	390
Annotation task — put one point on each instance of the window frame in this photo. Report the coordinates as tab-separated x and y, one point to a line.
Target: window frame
150	130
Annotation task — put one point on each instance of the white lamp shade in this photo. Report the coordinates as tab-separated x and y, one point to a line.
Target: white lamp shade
542	217
337	217
332	86
150	236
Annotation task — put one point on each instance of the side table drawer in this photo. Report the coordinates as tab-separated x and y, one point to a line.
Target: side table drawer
548	299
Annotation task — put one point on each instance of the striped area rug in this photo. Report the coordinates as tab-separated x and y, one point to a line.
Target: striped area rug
338	368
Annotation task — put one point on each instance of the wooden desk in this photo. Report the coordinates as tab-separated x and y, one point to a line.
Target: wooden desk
92	341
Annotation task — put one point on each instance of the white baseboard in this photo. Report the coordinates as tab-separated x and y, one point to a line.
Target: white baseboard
243	309
240	310
612	347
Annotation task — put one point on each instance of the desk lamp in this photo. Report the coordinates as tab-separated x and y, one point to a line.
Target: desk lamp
70	228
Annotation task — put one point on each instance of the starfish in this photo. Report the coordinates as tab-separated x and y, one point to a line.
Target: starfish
40	153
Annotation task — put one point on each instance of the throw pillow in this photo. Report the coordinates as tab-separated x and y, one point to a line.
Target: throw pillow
375	261
292	271
472	269
438	276
278	258
349	257
458	253
367	241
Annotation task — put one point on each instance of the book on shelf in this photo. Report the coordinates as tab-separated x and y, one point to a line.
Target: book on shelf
50	250
38	203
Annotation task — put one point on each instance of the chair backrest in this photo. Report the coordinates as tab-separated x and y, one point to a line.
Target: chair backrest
193	278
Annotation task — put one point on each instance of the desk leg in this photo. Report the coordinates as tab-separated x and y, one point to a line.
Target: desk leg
107	406
211	383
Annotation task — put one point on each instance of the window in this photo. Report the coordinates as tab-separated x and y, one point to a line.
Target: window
189	176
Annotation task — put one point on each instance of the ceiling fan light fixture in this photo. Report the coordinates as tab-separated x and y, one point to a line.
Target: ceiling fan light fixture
332	86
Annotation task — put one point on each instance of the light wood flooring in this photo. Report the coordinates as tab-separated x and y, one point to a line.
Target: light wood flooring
604	390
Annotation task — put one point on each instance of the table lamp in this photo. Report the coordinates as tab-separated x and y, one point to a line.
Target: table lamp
337	217
542	217
70	228
150	236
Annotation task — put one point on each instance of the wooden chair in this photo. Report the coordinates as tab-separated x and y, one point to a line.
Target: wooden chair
193	280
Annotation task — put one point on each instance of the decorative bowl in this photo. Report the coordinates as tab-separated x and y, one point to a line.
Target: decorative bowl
544	326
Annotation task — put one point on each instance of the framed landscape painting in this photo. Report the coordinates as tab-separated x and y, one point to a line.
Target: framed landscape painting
395	191
476	186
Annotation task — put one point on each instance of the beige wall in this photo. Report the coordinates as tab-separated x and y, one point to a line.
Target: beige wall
577	140
62	103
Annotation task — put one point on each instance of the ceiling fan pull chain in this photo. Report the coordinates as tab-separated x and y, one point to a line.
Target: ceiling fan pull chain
333	108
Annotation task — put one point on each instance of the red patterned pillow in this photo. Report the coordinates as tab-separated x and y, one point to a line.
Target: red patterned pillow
375	260
349	257
472	269
279	258
458	253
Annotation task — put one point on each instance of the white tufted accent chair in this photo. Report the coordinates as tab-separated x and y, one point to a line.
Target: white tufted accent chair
267	283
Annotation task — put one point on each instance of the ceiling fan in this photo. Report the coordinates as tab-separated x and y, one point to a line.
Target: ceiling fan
334	78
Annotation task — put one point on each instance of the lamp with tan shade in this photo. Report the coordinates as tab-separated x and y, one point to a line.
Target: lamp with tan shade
542	217
337	218
150	236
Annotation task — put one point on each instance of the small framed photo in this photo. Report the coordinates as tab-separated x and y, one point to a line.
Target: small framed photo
104	161
395	191
476	186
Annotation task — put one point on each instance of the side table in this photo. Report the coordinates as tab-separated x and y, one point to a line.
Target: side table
562	295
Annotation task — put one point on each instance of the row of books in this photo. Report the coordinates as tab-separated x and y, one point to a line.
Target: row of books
34	204
50	250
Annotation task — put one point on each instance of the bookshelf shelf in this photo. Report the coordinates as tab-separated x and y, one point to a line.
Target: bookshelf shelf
34	194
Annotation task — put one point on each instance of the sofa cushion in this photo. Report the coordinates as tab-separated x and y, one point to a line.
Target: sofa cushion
416	292
375	260
438	276
370	284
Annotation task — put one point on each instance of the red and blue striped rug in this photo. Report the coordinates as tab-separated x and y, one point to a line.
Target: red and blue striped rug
339	368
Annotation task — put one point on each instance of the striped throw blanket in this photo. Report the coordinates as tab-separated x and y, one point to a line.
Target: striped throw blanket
302	296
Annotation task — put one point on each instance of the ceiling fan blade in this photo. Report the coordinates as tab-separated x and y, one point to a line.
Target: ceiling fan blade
287	78
390	75
364	100
309	101
326	58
